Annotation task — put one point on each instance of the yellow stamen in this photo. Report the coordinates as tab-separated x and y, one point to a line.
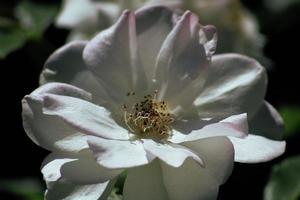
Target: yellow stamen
149	118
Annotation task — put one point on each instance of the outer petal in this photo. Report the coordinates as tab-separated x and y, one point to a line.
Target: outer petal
66	65
59	187
235	84
48	131
70	191
193	182
181	60
152	25
78	170
171	154
254	149
118	154
235	125
267	122
84	116
112	56
145	182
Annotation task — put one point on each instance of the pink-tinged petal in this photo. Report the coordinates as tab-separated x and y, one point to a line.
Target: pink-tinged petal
83	116
235	84
49	131
267	122
116	154
193	182
235	125
181	62
255	149
112	57
172	154
66	65
145	182
153	24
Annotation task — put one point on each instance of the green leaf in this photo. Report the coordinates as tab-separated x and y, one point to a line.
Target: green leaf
284	183
11	39
28	189
35	17
291	118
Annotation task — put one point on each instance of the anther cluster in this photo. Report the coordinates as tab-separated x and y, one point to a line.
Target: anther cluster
149	118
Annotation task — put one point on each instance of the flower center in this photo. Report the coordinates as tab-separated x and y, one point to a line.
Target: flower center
149	118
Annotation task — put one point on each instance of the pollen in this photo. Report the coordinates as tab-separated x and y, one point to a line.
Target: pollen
148	118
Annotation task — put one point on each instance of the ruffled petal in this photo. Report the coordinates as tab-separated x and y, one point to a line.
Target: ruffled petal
235	125
255	149
181	62
235	84
66	65
49	131
83	116
59	187
153	24
115	154
112	57
171	154
267	122
145	182
193	182
78	170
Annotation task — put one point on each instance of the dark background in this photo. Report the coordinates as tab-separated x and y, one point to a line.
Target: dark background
21	158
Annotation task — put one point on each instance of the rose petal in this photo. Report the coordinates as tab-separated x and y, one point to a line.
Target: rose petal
193	182
235	125
84	116
116	154
112	57
153	24
49	131
145	182
82	169
255	149
267	122
66	65
235	84
171	154
69	191
181	60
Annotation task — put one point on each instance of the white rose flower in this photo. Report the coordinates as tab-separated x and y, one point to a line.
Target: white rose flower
148	97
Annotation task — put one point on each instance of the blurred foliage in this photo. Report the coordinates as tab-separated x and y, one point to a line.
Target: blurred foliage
114	196
35	18
284	183
280	5
29	23
27	189
11	37
291	118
